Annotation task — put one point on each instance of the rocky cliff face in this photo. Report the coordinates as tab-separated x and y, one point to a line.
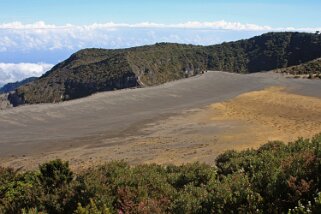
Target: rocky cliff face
9	100
4	102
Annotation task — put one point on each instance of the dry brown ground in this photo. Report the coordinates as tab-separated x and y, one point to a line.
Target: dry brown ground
246	121
272	114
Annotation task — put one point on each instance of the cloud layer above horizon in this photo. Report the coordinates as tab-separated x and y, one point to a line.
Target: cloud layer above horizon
23	46
42	36
11	72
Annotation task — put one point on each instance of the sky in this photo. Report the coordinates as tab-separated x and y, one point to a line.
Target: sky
36	34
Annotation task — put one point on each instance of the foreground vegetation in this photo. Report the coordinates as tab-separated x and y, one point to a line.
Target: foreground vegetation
276	178
93	70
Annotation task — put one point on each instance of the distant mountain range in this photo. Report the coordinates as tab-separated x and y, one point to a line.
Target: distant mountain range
13	86
93	70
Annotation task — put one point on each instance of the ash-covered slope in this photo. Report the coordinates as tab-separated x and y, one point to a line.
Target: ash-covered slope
93	70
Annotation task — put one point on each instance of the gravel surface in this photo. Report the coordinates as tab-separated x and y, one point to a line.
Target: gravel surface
119	115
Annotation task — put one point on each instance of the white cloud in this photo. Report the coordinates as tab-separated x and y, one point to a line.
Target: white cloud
20	37
17	36
39	41
11	72
41	26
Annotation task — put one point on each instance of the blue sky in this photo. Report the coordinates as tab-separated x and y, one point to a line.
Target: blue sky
36	34
274	13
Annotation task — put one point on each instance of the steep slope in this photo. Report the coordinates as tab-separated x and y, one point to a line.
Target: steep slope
266	52
13	86
93	70
84	73
312	69
165	62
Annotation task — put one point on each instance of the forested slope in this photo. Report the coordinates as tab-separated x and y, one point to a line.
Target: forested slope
93	70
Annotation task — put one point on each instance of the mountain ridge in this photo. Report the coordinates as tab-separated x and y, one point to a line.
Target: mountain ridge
93	70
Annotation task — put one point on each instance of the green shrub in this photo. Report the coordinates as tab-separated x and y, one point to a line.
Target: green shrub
276	178
55	174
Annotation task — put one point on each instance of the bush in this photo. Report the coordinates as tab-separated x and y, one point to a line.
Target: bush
55	174
276	178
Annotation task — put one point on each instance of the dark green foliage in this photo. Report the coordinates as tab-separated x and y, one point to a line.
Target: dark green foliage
81	75
165	62
17	191
282	175
91	208
94	70
276	178
55	174
308	207
234	194
266	52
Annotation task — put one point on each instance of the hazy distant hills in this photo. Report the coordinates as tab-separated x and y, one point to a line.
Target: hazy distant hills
13	86
93	70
